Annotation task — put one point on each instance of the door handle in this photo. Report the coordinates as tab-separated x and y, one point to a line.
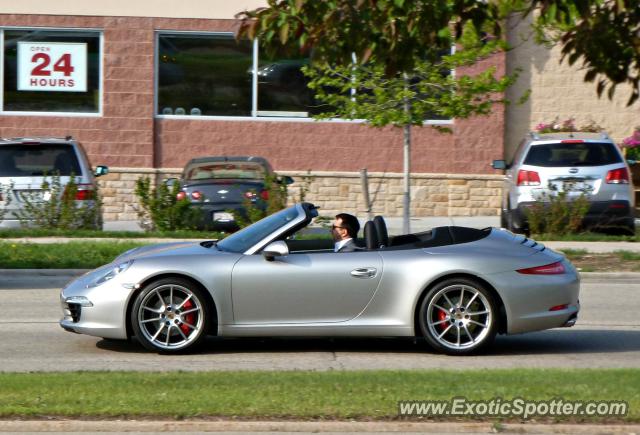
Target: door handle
364	272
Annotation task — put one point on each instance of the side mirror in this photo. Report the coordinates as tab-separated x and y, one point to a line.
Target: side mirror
285	179
170	182
499	164
275	249
101	170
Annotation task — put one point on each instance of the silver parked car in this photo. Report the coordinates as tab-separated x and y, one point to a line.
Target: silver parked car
587	164
458	287
25	163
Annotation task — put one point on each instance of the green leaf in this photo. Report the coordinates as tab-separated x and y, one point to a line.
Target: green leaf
284	33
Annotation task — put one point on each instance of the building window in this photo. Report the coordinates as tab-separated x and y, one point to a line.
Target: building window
216	75
51	71
282	88
204	75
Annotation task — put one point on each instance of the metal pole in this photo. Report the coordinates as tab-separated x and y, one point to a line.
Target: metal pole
406	226
364	178
406	214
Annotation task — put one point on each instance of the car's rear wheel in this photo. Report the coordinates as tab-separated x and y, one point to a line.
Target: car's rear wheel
170	315
458	316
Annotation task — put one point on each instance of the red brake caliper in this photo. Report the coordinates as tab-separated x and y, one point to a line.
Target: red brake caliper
189	318
442	316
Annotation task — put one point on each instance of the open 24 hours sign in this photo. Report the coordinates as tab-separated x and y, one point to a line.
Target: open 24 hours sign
52	66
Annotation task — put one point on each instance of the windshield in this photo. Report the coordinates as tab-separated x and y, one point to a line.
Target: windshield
225	170
38	160
572	154
251	235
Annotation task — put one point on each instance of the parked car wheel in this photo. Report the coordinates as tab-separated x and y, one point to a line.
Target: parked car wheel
511	225
458	317
503	219
170	315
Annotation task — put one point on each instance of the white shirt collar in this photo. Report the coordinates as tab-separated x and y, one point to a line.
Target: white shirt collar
340	244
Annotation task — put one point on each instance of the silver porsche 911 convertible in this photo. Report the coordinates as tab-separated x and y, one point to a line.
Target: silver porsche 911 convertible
457	287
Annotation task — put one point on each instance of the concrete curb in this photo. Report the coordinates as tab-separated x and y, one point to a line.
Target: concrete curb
308	427
31	273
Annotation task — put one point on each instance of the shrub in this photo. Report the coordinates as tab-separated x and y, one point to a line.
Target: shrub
568	125
5	198
256	210
55	207
554	214
160	209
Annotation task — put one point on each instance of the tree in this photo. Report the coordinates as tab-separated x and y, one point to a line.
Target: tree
388	62
603	34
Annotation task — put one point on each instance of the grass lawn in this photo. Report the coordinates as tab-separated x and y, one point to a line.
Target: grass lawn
302	394
72	255
619	261
89	255
182	234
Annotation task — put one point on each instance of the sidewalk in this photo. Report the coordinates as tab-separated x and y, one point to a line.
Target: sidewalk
334	427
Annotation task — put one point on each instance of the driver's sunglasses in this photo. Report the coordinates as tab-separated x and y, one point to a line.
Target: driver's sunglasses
333	227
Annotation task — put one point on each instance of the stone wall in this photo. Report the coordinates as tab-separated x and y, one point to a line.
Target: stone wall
334	192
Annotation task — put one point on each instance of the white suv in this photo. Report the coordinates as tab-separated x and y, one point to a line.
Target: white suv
576	163
26	162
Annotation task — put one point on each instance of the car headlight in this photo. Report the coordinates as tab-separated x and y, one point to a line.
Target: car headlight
111	273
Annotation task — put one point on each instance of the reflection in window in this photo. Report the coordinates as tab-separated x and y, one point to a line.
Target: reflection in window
282	87
85	101
204	75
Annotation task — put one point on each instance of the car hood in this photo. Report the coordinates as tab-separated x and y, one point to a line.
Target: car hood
163	249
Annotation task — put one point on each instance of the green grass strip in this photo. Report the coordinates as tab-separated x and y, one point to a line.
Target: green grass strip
180	234
301	394
72	255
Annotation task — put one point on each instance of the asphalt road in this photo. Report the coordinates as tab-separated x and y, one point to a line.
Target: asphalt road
607	335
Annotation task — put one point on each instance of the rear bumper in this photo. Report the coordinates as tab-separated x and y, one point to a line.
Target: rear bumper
207	212
616	213
531	302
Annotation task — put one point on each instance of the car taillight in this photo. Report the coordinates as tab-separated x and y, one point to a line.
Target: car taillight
559	307
264	195
528	178
85	192
180	196
196	195
618	176
556	268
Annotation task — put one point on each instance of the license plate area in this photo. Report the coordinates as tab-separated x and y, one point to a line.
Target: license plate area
223	217
573	186
36	195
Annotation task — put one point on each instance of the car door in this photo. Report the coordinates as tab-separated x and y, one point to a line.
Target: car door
304	287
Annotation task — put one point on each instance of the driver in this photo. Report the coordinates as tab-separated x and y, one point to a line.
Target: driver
344	231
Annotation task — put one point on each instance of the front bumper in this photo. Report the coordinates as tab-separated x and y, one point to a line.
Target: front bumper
98	311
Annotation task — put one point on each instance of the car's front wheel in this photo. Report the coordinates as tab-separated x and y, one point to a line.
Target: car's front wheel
170	315
458	316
